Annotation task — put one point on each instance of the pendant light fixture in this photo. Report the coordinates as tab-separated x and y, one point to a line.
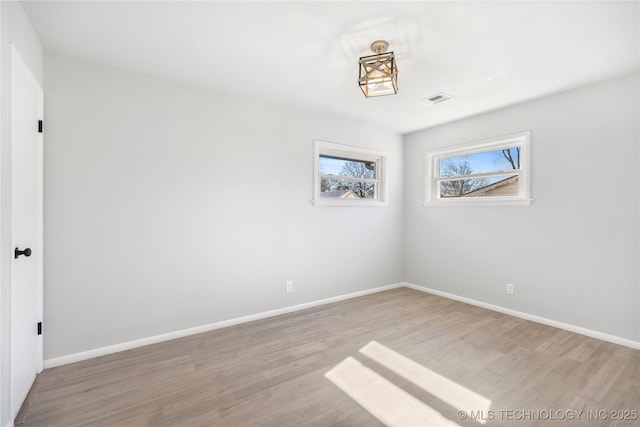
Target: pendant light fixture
378	73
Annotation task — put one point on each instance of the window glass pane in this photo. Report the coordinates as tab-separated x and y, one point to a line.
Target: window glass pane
504	185
347	189
347	167
489	161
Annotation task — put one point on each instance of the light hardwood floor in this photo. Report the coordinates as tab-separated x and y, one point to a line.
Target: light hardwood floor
271	372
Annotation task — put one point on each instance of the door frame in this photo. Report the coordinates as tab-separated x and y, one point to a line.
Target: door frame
18	63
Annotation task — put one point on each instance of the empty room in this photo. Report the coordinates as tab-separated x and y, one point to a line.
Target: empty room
319	213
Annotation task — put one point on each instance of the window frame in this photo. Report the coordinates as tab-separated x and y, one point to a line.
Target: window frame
432	165
353	153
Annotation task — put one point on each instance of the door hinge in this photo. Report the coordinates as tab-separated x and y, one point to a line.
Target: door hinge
39	328
39	126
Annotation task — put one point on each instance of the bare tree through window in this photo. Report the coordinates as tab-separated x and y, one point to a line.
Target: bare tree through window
513	156
360	170
346	178
458	187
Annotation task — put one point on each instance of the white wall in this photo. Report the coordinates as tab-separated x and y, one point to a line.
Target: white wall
16	29
169	207
573	254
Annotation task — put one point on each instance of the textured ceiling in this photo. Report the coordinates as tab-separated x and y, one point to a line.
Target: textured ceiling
304	54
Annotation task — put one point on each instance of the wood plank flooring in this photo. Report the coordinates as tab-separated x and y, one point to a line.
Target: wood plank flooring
271	372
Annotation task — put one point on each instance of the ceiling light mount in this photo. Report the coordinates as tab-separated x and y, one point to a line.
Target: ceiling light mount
378	73
379	46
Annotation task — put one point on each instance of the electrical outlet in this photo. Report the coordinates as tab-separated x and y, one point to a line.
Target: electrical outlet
289	286
510	288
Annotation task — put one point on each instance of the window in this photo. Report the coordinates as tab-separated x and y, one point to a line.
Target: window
490	172
349	176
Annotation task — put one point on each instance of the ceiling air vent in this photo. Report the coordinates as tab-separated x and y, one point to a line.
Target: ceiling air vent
437	98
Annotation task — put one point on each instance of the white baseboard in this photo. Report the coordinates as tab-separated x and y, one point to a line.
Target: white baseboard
102	351
572	328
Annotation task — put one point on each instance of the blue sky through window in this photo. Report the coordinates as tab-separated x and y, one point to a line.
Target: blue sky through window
334	166
330	166
489	161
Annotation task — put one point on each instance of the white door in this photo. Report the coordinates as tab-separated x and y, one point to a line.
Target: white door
26	184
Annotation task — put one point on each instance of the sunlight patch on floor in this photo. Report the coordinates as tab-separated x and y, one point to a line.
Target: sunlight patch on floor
433	383
383	399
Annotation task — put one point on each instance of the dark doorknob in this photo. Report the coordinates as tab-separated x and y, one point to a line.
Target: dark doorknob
18	252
